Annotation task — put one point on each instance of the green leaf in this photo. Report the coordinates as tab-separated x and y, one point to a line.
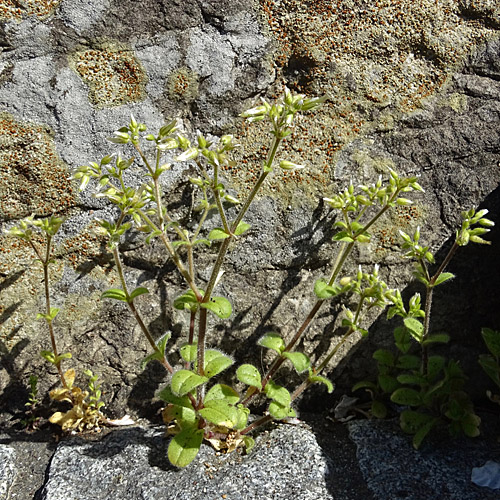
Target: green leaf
443	277
241	228
218	234
324	291
114	293
184	447
220	306
422	432
272	341
189	352
185	416
384	357
322	380
48	317
158	355
441	338
202	241
243	414
184	381
364	384
435	365
378	409
492	340
411	379
470	425
408	362
187	301
279	411
249	443
343	236
491	367
406	397
415	328
299	360
168	396
249	375
411	421
138	291
220	412
403	339
387	383
215	362
278	393
221	391
48	356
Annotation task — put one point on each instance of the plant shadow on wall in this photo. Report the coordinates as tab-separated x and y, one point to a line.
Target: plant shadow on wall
196	409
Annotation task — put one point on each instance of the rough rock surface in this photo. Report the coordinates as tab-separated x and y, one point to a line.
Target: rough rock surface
315	460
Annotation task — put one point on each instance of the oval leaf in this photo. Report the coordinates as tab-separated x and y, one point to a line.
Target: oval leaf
273	341
114	293
279	411
415	328
249	375
184	381
241	228
406	397
184	447
188	352
324	291
443	277
220	412
222	391
138	291
215	362
299	360
187	301
168	396
220	306
278	393
218	234
441	338
492	340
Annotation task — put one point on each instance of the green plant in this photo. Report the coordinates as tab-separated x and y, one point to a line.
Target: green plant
430	386
197	409
32	419
84	413
491	362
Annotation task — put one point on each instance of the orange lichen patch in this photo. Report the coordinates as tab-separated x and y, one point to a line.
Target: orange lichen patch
183	85
113	74
33	179
374	59
16	9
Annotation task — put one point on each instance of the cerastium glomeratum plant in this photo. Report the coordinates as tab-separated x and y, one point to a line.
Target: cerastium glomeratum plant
197	407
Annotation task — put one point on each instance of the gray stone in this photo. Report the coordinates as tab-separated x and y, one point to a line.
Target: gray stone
440	469
286	463
7	469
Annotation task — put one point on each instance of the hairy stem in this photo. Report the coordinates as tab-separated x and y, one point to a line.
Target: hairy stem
135	312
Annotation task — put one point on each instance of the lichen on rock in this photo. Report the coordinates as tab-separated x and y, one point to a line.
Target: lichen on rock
33	179
113	73
15	10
